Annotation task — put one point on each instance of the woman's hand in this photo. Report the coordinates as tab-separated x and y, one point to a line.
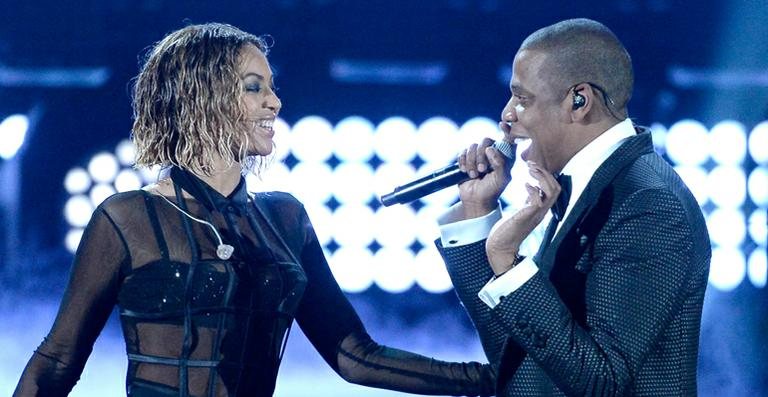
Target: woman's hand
507	234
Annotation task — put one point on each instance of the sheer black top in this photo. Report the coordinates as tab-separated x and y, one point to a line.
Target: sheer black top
198	325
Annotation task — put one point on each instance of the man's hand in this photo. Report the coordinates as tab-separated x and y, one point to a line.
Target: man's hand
507	235
490	173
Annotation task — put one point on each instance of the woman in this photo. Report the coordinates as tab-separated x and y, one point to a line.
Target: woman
208	279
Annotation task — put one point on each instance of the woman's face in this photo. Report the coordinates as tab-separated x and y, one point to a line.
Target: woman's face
261	102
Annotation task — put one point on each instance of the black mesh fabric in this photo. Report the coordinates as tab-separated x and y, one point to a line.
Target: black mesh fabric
196	325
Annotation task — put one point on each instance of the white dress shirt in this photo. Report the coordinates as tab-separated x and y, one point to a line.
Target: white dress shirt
580	167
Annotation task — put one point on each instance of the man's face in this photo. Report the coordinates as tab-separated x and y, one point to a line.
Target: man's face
536	112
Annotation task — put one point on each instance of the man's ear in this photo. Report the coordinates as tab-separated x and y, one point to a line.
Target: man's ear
582	99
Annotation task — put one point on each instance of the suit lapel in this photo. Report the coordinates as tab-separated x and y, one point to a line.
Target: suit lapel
627	153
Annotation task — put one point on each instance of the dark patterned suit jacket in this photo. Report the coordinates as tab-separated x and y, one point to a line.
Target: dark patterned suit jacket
615	308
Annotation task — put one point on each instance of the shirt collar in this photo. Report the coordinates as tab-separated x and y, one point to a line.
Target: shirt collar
210	198
583	165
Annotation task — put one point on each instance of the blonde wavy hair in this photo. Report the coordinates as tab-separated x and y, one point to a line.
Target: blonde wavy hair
187	106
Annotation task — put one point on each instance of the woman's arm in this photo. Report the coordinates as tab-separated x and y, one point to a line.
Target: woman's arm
90	296
333	327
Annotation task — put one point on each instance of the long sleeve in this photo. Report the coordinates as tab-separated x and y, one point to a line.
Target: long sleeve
333	327
645	268
469	271
90	296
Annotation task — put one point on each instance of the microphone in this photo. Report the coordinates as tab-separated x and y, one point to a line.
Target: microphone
438	180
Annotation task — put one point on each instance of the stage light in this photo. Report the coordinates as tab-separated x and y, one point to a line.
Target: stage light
727	227
757	267
430	272
728	143
351	267
353	139
393	269
126	153
322	221
394	226
77	181
150	174
309	182
756	225
282	139
659	137
425	223
312	139
389	175
276	177
352	225
696	180
351	183
103	167
758	143
727	269
436	141
395	140
77	210
477	128
727	186
515	193
100	192
13	130
72	240
687	143
126	180
758	186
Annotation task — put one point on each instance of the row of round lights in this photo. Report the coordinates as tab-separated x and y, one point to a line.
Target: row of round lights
353	225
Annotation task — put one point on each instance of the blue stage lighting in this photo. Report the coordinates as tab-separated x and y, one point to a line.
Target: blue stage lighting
351	268
395	140
727	186
352	226
687	143
351	183
728	143
757	267
696	179
103	167
77	181
728	268
758	186
393	269
436	141
13	130
312	139
727	227
353	139
430	272
758	143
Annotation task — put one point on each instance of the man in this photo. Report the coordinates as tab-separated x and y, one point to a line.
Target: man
611	303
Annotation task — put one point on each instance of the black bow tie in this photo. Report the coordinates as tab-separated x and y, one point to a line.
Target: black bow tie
558	210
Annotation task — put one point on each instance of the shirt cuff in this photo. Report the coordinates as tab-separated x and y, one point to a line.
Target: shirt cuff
507	283
454	232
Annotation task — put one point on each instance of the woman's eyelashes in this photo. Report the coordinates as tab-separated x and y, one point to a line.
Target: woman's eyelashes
256	87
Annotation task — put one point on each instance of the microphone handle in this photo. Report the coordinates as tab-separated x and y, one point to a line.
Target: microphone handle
438	180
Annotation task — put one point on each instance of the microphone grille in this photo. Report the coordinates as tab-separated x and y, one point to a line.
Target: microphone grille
506	148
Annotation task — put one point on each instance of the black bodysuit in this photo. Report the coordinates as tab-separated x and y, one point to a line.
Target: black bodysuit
197	325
